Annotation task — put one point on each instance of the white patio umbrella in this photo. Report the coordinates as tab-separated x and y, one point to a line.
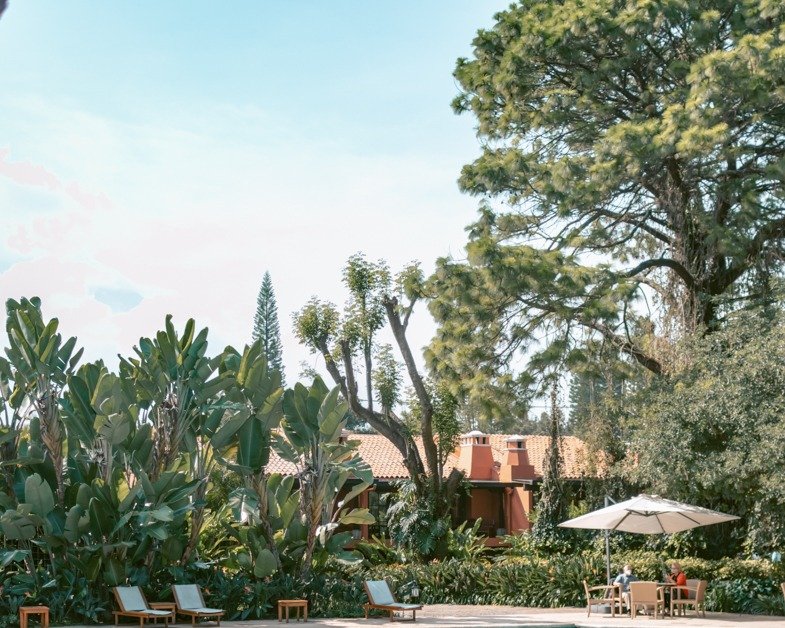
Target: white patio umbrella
646	514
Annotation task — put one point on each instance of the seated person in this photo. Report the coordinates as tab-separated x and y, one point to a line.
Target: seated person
624	579
678	577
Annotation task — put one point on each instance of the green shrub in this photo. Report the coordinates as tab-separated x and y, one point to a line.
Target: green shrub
742	586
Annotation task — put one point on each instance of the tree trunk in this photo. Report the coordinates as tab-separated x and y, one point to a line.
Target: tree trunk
197	519
423	398
390	429
368	367
52	435
312	509
259	486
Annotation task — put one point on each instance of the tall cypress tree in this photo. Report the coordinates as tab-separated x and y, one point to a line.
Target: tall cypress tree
552	506
266	327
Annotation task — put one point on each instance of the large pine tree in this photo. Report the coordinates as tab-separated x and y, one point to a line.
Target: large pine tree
631	181
266	327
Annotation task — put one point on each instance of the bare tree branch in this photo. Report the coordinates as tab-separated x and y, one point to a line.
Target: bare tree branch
664	262
424	399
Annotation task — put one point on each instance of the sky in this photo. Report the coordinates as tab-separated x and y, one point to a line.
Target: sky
158	157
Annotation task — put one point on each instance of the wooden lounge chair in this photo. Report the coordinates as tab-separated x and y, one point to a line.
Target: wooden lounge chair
599	596
190	602
380	597
695	597
133	604
648	595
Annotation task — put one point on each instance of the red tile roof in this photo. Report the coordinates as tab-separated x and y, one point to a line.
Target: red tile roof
387	463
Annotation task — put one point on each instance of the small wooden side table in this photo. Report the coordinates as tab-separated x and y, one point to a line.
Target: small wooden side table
26	611
296	604
165	606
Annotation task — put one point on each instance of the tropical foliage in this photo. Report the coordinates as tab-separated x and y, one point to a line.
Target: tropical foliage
713	432
631	233
106	476
375	300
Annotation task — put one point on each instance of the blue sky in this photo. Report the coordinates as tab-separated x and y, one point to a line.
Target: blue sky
158	157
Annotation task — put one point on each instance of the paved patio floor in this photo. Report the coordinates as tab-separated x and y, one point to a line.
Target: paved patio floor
444	615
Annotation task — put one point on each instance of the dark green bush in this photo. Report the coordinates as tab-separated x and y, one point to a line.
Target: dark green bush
742	586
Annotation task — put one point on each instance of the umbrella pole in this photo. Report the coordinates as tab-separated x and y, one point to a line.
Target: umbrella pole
608	502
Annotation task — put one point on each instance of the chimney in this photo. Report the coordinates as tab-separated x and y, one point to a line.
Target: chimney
516	464
475	458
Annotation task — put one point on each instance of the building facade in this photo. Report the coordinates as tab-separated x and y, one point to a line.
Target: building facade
502	470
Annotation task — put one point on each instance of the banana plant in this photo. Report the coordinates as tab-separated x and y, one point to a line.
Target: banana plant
311	440
253	411
29	522
282	522
178	392
123	528
38	363
99	418
11	423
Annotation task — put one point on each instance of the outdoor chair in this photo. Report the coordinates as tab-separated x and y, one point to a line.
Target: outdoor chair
132	603
648	595
695	596
190	603
783	588
599	596
381	597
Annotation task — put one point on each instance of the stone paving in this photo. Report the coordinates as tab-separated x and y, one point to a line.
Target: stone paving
444	615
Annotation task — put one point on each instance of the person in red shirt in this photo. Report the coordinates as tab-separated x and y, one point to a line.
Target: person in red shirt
679	578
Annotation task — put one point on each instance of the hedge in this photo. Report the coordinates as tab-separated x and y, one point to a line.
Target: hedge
742	586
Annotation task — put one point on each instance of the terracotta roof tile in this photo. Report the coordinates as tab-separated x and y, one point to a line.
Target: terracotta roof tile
278	465
387	463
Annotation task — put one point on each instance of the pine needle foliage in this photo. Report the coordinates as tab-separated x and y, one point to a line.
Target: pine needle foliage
266	326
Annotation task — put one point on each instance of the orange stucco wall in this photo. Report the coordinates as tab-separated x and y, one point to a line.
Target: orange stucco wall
517	507
484	504
516	503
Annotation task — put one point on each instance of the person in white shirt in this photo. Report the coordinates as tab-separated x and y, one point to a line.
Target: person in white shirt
624	579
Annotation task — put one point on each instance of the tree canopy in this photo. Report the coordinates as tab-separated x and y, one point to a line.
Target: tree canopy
376	301
713	433
631	174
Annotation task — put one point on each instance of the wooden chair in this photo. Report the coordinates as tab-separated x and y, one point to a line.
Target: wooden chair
190	603
380	597
648	595
600	595
132	603
695	596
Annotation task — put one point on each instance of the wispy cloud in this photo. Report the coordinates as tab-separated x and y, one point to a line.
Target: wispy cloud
29	174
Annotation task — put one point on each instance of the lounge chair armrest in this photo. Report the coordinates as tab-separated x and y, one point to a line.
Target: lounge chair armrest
602	587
